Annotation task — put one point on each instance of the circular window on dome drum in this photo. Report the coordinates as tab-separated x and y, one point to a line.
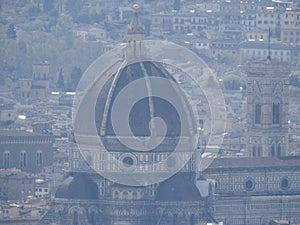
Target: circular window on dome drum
284	183
128	161
249	184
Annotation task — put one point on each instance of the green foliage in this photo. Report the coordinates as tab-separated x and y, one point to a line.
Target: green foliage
34	11
83	18
32	31
73	7
233	82
11	31
60	80
98	17
177	5
75	75
48	5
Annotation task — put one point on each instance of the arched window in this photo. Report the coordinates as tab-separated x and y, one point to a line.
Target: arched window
272	150
116	195
39	158
276	113
192	219
259	153
134	195
93	218
125	195
6	159
278	150
257	115
75	218
175	219
23	159
254	151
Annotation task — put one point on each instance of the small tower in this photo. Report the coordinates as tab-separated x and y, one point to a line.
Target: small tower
134	36
40	80
267	108
41	71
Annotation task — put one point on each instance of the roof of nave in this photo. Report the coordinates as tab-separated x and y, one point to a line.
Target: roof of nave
255	163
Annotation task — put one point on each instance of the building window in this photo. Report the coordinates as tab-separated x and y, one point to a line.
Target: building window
257	116
93	218
6	159
249	184
276	114
116	195
23	159
175	219
75	218
39	159
272	150
259	153
125	195
192	219
254	151
284	183
278	150
135	195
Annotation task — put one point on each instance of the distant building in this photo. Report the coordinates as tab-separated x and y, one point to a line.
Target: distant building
240	190
26	151
257	35
25	213
290	26
90	34
267	108
248	20
251	50
224	48
265	185
162	23
37	87
189	22
88	197
269	18
8	113
251	191
16	184
42	188
42	127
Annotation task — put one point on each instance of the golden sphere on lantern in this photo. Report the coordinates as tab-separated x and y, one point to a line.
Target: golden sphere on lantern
135	7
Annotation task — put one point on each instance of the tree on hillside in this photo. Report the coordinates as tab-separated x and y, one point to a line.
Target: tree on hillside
34	11
11	31
73	7
83	18
75	76
176	5
48	5
60	81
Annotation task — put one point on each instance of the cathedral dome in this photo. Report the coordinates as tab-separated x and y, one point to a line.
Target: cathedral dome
77	187
145	109
178	188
